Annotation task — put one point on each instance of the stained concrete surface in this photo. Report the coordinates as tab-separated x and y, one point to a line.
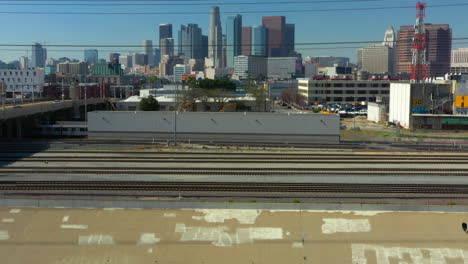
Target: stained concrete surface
113	235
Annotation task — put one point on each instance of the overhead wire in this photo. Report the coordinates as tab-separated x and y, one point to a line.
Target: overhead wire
229	12
191	3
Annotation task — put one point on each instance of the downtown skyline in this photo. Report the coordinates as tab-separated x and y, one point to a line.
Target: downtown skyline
319	27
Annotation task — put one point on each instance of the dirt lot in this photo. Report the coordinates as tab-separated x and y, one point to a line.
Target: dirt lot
361	129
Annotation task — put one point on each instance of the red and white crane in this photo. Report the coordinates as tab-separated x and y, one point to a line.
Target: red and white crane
419	63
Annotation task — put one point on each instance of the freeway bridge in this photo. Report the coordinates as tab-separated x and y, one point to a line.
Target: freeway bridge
15	119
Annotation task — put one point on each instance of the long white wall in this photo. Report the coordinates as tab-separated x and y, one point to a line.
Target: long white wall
196	124
400	104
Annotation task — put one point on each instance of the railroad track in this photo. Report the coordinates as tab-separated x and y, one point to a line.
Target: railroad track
234	171
237	153
231	187
237	160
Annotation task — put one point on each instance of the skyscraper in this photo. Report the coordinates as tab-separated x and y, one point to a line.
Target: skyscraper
167	47
165	31
259	41
290	39
246	49
157	58
215	38
233	38
276	26
390	38
204	50
148	51
439	48
376	59
114	57
91	56
24	62
190	42
39	56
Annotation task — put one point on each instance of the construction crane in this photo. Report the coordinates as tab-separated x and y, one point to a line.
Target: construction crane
419	63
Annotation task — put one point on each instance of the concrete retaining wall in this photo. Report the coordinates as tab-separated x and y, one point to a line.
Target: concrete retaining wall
216	127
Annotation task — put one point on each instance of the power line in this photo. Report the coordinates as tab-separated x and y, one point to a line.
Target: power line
156	46
225	12
191	4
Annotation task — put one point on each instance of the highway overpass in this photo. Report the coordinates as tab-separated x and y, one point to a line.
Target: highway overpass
14	119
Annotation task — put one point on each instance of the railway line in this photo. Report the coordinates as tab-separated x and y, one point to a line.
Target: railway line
226	173
231	187
233	171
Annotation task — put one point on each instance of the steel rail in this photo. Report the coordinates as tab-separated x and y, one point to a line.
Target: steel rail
233	187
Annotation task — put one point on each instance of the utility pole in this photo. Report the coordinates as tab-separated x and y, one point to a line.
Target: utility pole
3	94
86	104
63	95
175	114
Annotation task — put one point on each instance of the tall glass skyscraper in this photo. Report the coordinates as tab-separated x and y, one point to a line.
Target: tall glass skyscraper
215	38
91	56
234	39
276	26
190	42
38	56
148	51
259	41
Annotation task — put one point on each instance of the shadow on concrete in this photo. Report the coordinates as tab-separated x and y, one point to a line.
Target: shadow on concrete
14	151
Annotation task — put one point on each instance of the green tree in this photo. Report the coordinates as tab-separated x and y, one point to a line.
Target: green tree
152	80
149	104
258	92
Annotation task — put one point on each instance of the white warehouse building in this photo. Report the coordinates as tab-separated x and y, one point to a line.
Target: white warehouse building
22	81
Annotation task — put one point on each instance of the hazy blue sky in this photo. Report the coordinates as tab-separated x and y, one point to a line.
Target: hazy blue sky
132	29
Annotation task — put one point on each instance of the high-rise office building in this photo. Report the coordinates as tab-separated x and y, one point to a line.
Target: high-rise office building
439	49
167	47
224	52
91	56
215	38
138	59
377	59
126	60
39	56
190	42
290	39
330	61
276	26
165	31
390	37
233	39
204	50
259	41
157	58
24	62
114	57
246	49
148	51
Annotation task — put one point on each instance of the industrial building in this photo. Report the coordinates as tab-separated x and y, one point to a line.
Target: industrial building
459	63
22	80
343	91
437	105
215	127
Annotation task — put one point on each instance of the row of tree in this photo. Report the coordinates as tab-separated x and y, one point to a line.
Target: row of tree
215	94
